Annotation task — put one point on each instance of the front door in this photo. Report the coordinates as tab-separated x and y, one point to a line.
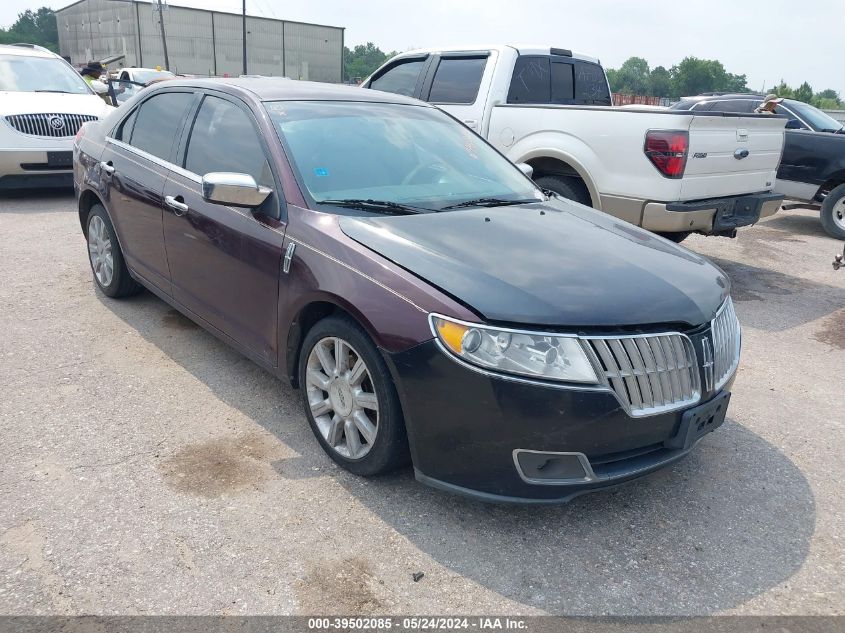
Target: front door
225	262
459	85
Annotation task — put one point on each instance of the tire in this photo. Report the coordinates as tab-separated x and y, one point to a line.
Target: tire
833	213
332	404
566	186
676	237
105	256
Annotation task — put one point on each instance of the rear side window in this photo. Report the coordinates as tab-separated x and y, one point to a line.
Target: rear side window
591	84
400	79
734	105
457	80
157	122
124	130
224	139
531	82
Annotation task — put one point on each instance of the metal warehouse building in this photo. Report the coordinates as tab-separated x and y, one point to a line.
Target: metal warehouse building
199	42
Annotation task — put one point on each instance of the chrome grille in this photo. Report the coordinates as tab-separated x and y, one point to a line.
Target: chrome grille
53	125
651	373
726	335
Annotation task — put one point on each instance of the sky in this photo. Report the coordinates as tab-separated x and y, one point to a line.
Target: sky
766	40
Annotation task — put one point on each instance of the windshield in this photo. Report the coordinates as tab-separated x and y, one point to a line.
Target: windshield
21	73
145	76
409	155
817	119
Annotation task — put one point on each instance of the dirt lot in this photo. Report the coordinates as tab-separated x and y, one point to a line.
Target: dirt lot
147	468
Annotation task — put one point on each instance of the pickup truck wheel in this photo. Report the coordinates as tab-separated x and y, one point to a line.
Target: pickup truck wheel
350	400
676	237
833	213
106	258
566	186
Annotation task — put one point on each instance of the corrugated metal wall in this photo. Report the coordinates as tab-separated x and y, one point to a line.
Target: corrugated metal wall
199	42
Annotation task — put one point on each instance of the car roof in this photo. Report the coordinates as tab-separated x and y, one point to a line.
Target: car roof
281	89
522	49
25	50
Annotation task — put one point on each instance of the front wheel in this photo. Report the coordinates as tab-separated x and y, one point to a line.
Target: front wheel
350	400
833	213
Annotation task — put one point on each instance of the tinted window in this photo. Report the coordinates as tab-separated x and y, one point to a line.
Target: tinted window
531	81
124	130
457	80
224	139
158	121
591	84
734	105
563	82
401	79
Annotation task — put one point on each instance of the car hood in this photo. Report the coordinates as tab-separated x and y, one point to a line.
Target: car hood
52	103
549	264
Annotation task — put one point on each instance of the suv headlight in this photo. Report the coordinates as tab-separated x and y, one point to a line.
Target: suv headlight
525	353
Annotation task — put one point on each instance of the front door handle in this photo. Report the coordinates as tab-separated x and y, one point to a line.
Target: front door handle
179	207
471	123
107	168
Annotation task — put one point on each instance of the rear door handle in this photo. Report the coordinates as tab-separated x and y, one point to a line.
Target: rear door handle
107	168
179	207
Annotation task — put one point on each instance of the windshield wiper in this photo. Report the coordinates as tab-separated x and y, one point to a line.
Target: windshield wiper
64	92
487	202
377	206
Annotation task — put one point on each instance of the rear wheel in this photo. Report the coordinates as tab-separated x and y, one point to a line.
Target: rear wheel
566	186
833	213
350	399
106	258
676	237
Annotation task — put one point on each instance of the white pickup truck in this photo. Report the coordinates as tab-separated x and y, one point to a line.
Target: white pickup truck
673	172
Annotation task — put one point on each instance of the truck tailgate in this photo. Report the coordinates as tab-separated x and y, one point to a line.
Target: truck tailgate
730	155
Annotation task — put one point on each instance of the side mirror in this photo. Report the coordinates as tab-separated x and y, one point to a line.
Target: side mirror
235	190
526	169
794	124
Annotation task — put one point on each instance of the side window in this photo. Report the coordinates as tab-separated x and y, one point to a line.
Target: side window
457	80
124	130
400	79
224	139
739	106
531	81
591	84
563	82
158	121
704	106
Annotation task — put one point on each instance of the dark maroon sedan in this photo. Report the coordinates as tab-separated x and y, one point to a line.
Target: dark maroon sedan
431	303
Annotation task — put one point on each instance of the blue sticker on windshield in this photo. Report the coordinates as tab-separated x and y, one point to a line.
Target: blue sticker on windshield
321	171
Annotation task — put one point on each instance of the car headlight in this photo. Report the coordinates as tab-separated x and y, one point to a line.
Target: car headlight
525	353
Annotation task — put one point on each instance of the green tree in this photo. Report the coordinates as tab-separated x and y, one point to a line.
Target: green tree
363	60
804	93
633	77
694	76
661	82
783	90
33	27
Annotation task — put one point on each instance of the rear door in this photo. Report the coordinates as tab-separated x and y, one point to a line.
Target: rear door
138	154
459	83
732	155
225	262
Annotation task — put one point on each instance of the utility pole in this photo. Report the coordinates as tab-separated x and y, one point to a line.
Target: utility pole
244	34
163	38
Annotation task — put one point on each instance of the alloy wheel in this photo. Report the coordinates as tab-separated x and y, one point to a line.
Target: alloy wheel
342	397
839	214
100	251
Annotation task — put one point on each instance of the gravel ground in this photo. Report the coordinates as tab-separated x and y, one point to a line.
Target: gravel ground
149	469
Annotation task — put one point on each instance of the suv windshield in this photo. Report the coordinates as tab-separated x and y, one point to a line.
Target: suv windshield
145	76
817	119
403	154
23	73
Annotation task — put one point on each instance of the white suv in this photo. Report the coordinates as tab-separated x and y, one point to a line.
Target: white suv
43	103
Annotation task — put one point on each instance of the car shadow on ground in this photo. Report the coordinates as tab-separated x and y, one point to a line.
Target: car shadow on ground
728	523
27	201
797	224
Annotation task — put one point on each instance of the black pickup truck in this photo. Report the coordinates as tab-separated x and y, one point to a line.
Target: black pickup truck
812	169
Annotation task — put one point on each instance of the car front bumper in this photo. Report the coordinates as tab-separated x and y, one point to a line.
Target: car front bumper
35	168
481	434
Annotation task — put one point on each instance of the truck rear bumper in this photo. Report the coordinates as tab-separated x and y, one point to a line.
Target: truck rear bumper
716	215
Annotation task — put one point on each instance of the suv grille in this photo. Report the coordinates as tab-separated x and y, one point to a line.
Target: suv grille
651	373
55	125
726	343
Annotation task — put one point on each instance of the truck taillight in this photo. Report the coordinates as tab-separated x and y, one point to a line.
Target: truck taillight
667	150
